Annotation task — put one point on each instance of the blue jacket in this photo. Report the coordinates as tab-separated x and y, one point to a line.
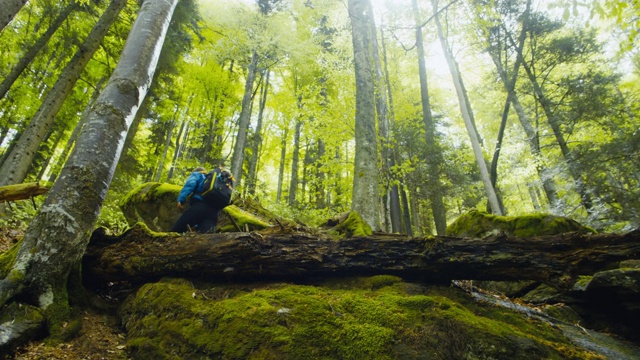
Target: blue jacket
193	185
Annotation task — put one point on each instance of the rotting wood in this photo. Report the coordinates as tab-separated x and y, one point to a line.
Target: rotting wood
22	191
137	256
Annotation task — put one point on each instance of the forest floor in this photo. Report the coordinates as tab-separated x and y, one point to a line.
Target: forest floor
100	338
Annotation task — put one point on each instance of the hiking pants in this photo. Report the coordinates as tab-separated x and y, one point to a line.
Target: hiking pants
199	216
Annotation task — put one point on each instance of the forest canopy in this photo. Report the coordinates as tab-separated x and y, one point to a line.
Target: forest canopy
530	105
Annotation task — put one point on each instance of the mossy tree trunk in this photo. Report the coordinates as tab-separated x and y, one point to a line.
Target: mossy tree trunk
139	256
57	237
365	180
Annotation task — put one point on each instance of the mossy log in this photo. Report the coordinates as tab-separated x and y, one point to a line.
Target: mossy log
139	256
22	191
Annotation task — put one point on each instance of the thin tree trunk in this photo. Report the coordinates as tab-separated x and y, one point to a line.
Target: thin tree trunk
9	9
532	137
15	168
58	236
467	116
394	196
257	142
243	122
283	153
435	192
28	56
293	184
76	131
365	180
554	123
407	212
167	144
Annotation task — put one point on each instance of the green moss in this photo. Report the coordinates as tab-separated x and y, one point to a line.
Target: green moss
479	224
388	320
243	219
8	258
150	190
62	326
353	226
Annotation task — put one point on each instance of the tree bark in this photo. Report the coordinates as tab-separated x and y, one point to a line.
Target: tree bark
434	153
293	184
467	116
138	257
16	166
9	9
244	120
58	235
365	180
283	157
257	142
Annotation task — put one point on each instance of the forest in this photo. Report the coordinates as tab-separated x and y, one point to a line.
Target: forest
409	113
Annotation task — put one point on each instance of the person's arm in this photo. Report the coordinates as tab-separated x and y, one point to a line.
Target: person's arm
189	187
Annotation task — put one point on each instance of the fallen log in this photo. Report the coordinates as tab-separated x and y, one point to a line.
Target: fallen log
139	256
22	191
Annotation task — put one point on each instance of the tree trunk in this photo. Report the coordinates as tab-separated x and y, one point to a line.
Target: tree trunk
257	142
546	178
406	211
251	256
283	153
76	131
58	236
554	123
16	166
394	202
28	56
293	184
167	144
510	85
434	154
365	180
243	122
467	116
9	10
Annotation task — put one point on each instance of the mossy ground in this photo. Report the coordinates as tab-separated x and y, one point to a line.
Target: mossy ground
479	224
362	318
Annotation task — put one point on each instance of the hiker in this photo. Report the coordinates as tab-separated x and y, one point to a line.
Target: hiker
201	215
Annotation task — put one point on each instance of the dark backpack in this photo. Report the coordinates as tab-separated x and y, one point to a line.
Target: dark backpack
217	188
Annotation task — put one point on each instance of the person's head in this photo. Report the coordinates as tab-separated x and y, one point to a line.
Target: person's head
199	169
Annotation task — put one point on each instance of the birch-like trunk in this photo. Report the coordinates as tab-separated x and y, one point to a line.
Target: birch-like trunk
467	116
365	180
15	168
243	122
58	235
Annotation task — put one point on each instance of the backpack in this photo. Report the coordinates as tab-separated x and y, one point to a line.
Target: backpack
217	188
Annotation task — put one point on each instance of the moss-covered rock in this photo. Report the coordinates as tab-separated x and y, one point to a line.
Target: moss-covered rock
480	224
371	318
348	224
153	204
19	323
